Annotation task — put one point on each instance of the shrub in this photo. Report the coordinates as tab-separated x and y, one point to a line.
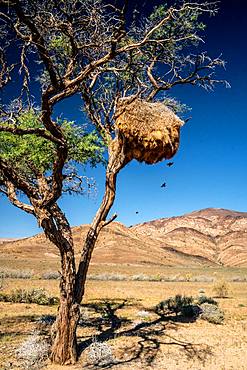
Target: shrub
239	279
38	296
211	313
205	307
144	314
191	311
33	352
1	283
51	275
241	305
3	297
221	289
84	315
140	277
16	274
100	353
204	299
203	279
108	277
175	305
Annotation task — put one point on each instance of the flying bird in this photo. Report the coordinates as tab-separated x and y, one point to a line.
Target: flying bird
163	185
137	212
169	164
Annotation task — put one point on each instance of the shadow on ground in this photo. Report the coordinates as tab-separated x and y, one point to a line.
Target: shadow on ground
147	331
149	334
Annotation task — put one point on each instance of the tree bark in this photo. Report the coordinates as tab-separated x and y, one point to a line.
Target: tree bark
57	229
117	160
72	284
64	348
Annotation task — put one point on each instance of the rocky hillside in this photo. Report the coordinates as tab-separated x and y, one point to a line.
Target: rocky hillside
218	235
208	237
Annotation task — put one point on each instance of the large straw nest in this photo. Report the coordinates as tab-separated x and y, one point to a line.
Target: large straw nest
150	130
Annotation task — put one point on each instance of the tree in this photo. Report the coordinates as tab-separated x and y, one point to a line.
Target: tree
103	53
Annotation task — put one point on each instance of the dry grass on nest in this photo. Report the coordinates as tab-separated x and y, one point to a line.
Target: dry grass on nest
151	130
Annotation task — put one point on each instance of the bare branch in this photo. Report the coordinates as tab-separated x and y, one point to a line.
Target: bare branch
38	40
11	175
30	131
12	195
105	223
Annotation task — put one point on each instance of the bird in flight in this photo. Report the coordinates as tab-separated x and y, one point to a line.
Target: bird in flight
137	212
169	164
163	185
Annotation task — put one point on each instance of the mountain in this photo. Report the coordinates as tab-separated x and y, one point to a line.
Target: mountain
216	234
5	240
208	237
117	244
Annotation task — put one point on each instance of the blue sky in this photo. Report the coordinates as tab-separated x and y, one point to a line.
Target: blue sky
210	167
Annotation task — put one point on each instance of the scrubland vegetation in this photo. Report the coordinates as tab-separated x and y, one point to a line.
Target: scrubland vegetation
131	318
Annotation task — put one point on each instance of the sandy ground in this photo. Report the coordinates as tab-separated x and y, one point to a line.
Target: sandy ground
136	336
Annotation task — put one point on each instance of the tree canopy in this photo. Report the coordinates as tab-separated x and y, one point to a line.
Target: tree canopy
31	154
103	52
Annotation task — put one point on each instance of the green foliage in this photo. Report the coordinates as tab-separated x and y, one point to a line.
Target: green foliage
204	299
29	153
191	311
204	307
23	151
83	147
176	305
176	105
38	296
61	45
183	23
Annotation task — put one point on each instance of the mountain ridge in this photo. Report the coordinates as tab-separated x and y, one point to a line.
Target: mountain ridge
207	237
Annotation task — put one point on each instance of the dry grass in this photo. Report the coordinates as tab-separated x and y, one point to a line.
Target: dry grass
112	314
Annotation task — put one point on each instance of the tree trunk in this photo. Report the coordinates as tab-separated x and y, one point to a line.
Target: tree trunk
57	229
64	348
117	160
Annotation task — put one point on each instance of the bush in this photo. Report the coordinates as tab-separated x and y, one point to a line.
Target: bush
204	299
191	311
1	283
38	296
51	275
239	279
205	307
211	313
16	274
144	314
108	277
221	289
140	277
100	353
33	352
203	279
177	304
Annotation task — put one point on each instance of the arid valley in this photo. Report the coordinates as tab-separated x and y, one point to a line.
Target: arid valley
132	271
